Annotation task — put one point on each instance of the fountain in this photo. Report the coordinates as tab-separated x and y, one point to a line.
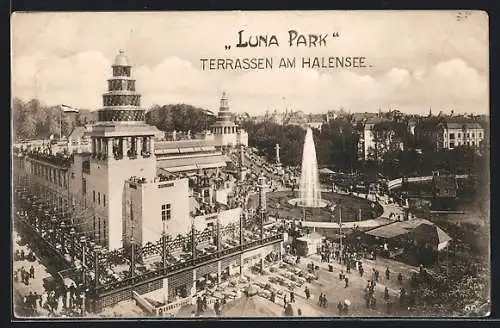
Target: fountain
309	188
309	203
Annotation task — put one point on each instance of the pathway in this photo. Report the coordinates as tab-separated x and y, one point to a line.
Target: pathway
373	223
35	285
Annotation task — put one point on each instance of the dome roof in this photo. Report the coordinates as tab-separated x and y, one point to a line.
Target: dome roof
121	59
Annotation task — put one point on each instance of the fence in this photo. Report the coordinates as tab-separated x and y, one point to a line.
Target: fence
171	308
398	182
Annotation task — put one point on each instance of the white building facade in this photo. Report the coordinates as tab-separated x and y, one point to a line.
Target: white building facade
225	131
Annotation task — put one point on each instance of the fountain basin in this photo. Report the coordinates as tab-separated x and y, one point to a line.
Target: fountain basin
301	202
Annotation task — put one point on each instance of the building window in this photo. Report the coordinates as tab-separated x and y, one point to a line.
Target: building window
473	135
93	196
165	212
480	134
99	229
459	135
452	145
98	198
93	230
452	136
84	186
104	200
468	135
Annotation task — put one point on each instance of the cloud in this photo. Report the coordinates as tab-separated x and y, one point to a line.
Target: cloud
80	80
76	80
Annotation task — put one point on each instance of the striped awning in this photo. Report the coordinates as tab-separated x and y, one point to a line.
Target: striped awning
192	163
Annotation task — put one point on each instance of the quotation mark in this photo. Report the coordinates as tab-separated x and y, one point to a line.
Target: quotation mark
227	47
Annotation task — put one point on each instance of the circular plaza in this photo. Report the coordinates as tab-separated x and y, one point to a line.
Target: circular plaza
352	208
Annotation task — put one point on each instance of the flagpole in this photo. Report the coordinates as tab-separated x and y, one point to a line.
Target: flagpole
60	123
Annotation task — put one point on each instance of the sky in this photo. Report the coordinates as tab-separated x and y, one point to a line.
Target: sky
418	60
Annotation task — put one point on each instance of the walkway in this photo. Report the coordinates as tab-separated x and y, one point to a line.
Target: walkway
35	285
335	225
389	208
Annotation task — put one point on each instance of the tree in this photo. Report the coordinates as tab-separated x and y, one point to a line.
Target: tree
32	120
179	117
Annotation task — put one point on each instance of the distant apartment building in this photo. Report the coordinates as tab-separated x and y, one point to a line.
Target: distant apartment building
371	145
451	133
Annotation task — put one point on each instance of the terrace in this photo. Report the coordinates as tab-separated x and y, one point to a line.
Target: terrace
60	160
107	271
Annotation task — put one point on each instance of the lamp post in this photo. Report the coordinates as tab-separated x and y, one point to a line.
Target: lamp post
241	228
83	241
97	252
53	220
72	234
164	246
193	241
218	235
63	227
132	254
340	233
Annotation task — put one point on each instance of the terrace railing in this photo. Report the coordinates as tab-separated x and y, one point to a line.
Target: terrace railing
130	282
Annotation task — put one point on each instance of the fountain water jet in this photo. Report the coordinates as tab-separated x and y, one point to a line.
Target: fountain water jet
309	188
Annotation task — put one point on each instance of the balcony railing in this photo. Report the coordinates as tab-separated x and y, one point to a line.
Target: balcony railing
130	282
57	160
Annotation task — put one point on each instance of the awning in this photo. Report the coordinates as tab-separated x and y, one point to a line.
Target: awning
388	231
431	234
398	228
192	163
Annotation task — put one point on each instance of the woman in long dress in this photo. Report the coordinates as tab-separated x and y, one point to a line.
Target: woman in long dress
60	304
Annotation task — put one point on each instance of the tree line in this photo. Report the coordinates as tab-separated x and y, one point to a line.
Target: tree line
396	152
32	120
337	142
179	117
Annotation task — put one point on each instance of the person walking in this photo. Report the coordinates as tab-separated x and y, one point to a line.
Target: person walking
345	308
389	307
204	302
346	282
386	294
292	297
340	307
308	293
217	307
32	272
400	278
320	299
387	274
